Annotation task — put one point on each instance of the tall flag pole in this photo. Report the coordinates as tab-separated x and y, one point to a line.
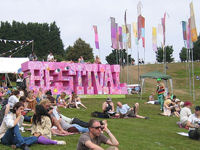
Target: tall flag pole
126	45
163	44
194	39
154	39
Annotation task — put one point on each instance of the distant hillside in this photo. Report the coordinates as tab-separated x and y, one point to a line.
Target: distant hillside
178	71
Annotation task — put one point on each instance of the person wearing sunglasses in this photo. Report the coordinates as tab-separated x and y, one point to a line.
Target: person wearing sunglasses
95	137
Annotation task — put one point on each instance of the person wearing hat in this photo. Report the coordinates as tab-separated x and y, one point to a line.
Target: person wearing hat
160	91
108	106
194	124
185	113
177	107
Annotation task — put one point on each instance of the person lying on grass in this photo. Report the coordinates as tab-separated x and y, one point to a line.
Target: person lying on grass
94	138
61	122
41	127
127	111
194	124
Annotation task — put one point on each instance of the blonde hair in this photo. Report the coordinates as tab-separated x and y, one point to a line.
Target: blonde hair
44	101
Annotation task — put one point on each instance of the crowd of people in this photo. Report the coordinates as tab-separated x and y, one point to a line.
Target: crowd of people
47	119
170	105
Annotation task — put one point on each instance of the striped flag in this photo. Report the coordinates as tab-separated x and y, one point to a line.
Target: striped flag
96	37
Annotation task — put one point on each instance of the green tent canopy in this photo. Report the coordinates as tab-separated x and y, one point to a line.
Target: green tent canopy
155	75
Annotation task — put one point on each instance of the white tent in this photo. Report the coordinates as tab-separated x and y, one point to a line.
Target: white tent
11	65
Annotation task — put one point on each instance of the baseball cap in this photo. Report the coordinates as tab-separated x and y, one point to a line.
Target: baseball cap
187	103
177	100
158	79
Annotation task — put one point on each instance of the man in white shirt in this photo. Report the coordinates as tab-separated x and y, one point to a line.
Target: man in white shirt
127	111
185	113
194	124
50	57
13	99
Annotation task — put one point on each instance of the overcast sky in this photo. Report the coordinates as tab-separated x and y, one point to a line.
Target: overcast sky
75	19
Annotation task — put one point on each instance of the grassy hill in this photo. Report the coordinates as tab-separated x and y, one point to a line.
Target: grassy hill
178	71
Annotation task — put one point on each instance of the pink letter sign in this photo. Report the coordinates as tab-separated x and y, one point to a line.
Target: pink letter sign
68	77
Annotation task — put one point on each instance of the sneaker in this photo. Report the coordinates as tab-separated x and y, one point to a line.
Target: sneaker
146	118
24	147
61	142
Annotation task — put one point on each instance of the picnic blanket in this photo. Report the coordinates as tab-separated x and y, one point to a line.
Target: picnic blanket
182	133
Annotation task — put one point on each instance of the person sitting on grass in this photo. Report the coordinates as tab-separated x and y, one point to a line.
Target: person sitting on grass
94	138
177	107
194	124
127	111
168	106
108	107
41	127
9	130
151	99
61	100
185	113
75	101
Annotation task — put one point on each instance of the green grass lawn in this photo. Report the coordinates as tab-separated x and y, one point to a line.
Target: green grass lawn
157	133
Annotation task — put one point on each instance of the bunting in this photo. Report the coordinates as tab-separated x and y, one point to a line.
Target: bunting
15	50
154	39
192	24
96	37
15	41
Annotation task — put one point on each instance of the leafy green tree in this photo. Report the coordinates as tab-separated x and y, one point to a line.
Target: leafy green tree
46	38
196	50
80	48
169	54
183	54
118	57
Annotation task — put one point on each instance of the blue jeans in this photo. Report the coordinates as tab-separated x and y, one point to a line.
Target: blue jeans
13	137
80	129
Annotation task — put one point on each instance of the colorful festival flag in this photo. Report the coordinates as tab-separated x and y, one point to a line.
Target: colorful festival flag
96	37
184	23
163	26
154	39
192	24
113	33
120	37
117	36
189	40
141	24
143	33
129	36
124	36
135	33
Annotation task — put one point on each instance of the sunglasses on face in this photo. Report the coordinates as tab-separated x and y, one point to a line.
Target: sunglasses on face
99	127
